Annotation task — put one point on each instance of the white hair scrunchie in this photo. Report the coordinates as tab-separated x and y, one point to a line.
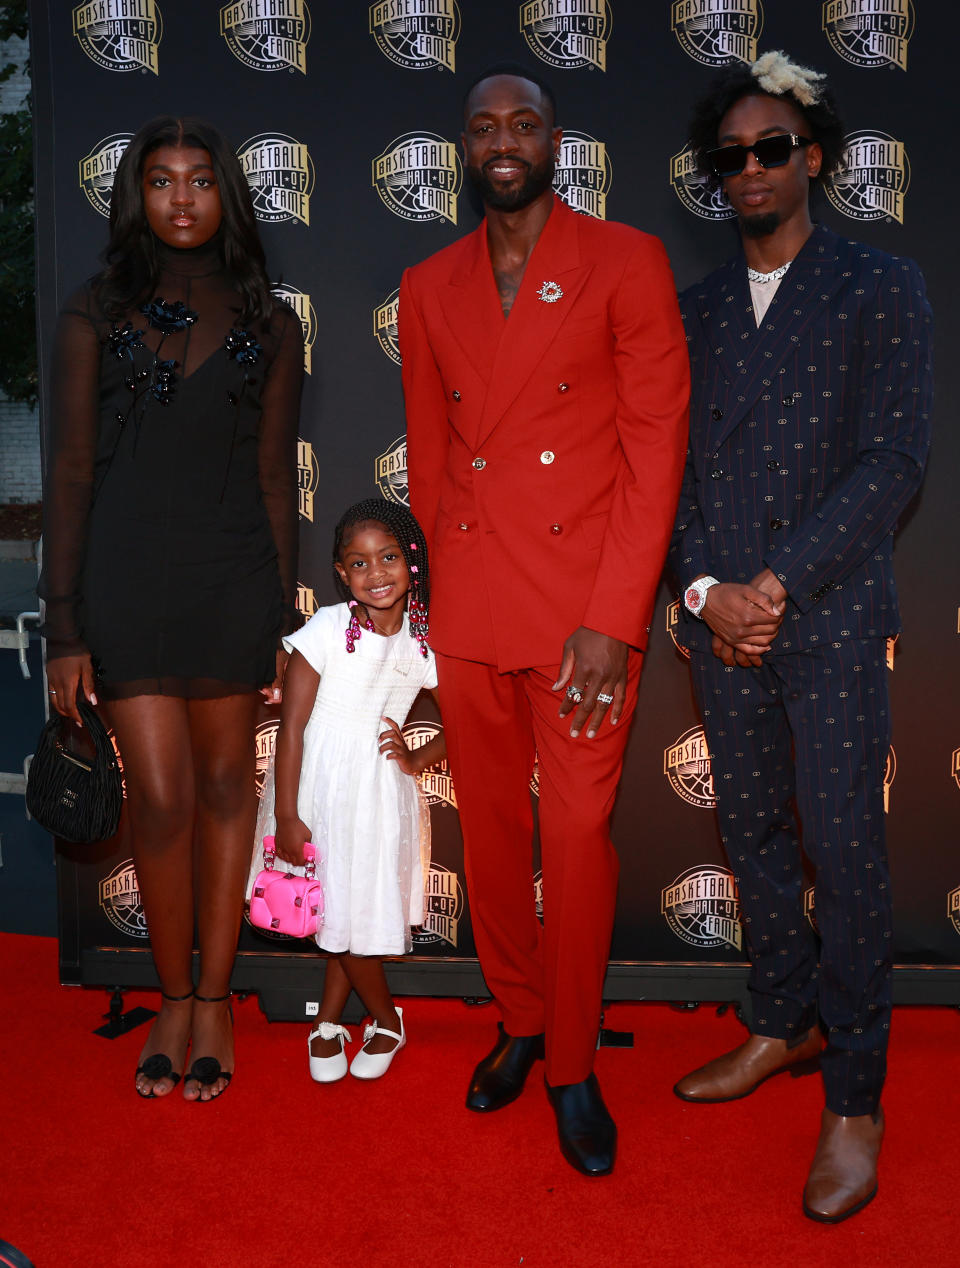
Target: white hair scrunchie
776	74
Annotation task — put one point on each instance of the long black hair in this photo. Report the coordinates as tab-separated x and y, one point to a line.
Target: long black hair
402	523
132	261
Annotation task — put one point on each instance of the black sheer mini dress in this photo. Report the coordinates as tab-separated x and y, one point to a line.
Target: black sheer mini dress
170	516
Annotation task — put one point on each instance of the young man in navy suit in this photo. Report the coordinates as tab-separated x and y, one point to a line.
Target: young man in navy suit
809	430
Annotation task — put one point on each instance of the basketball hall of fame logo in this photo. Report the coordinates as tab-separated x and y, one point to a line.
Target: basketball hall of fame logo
583	175
267	34
889	775
686	764
98	168
120	35
702	908
673	625
417	34
809	906
538	893
299	301
955	766
119	756
892	651
385	325
120	900
873	179
869	32
306	603
953	908
694	189
279	171
535	776
391	472
435	782
718	32
568	34
264	745
442	908
308	477
418	177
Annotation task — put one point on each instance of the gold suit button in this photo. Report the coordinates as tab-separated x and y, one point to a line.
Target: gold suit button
479	463
556	529
463	527
563	387
547	457
456	395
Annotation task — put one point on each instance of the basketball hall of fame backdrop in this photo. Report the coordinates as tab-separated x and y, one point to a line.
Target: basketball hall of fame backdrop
346	119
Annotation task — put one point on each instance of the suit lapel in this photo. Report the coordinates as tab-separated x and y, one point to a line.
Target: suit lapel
471	306
533	322
753	355
726	314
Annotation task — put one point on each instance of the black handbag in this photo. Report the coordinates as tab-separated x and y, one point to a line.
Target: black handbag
72	795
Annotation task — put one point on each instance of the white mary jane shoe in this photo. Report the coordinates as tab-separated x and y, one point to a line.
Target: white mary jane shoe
371	1065
328	1069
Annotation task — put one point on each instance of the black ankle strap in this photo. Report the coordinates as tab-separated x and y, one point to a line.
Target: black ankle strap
177	999
212	999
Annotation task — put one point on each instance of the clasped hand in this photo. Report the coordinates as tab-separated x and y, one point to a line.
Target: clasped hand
745	619
594	665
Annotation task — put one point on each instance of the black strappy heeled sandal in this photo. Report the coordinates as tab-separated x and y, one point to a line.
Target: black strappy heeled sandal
206	1070
159	1066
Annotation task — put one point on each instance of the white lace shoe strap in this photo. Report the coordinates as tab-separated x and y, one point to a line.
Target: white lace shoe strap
330	1030
373	1029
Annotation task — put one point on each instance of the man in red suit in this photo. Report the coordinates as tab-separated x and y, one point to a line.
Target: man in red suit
545	375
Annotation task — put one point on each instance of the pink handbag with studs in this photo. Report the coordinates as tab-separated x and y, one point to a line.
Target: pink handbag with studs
284	903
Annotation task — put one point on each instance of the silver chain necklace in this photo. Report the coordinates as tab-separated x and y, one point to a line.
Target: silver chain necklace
775	276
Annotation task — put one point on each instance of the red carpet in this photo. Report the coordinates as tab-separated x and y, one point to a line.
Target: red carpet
282	1173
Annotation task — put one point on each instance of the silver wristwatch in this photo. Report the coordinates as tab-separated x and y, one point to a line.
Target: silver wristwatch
695	594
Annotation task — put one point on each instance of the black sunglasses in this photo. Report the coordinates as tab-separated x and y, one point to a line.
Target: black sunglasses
769	151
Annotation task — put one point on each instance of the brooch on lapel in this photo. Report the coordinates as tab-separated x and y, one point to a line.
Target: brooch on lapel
550	292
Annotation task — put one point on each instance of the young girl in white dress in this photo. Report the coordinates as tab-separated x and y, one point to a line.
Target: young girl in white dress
343	775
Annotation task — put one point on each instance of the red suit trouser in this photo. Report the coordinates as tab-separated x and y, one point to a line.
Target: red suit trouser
547	979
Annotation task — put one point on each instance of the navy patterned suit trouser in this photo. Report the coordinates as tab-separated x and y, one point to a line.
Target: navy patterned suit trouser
805	737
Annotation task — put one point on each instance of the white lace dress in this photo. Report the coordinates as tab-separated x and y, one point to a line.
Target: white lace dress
368	819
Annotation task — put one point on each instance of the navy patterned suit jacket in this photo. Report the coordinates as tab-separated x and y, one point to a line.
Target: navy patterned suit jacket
808	436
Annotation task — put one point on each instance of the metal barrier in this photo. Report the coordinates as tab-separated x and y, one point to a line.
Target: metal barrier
18	640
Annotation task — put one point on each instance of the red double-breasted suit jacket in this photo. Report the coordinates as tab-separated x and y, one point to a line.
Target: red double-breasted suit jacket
544	450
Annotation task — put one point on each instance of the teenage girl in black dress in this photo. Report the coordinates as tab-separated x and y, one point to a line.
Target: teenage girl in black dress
170	551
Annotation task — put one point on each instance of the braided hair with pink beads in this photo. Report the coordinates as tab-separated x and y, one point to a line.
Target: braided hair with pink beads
402	523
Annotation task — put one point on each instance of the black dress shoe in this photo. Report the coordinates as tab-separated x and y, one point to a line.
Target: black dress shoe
588	1135
500	1076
